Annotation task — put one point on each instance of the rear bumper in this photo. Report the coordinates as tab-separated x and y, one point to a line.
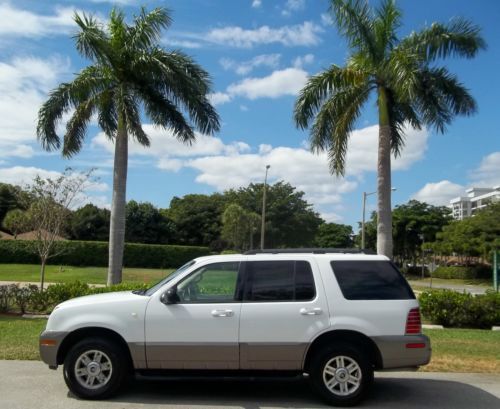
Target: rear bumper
403	351
49	344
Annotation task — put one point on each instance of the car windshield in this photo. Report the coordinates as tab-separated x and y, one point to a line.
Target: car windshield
170	277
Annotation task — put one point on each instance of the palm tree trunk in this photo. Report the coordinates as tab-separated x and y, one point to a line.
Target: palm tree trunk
384	219
117	224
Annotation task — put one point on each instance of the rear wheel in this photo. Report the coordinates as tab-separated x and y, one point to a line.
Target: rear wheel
342	375
95	368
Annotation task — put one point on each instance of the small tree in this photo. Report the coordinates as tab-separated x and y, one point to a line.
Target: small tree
16	221
50	210
239	226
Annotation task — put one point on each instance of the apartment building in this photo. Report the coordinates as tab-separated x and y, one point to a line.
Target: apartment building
477	198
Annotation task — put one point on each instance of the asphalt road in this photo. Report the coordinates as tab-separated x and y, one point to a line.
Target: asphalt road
31	385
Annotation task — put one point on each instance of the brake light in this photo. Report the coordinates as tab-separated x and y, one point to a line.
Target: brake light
413	323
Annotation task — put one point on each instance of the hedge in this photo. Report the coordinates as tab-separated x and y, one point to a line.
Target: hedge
462	310
95	254
463	272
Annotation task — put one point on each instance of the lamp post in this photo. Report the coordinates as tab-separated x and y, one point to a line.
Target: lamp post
365	195
262	228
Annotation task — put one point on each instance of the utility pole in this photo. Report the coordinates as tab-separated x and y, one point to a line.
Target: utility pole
263	217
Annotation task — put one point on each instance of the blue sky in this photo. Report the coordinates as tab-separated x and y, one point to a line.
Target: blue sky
259	54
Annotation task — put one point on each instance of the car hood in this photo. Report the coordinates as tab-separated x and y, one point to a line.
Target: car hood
104	298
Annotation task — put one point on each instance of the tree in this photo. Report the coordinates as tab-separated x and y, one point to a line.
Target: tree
12	197
90	223
198	218
16	221
145	224
290	220
50	211
130	72
239	226
333	235
409	87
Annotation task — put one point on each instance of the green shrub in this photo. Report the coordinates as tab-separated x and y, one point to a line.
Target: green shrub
463	272
462	310
95	253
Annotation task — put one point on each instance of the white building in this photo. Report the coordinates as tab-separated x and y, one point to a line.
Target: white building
477	198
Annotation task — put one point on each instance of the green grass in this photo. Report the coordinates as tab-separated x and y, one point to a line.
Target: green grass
19	337
453	350
91	275
464	350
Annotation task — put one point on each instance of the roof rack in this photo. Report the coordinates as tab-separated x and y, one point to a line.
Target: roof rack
313	251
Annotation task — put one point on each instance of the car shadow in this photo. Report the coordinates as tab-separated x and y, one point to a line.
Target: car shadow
254	394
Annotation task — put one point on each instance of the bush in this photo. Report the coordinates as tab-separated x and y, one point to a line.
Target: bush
95	253
463	272
30	298
462	310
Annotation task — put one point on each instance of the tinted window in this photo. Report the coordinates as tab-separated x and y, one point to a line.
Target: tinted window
212	283
278	281
371	280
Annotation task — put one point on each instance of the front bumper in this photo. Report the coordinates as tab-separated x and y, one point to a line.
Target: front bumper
404	351
49	343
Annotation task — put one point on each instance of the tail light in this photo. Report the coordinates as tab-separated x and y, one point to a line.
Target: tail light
413	323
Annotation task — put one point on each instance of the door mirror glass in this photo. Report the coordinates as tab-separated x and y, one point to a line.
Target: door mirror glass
170	296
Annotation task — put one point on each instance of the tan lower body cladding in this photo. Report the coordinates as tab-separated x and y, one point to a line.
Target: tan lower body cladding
221	356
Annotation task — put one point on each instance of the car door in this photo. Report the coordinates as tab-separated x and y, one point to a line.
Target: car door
281	313
200	330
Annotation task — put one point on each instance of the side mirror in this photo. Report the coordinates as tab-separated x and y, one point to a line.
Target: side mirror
170	296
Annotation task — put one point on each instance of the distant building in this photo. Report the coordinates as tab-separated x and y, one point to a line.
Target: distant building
477	198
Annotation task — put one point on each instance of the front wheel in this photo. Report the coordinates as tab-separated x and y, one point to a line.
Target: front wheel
95	368
341	375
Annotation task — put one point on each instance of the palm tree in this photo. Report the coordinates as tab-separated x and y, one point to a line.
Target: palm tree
129	74
410	89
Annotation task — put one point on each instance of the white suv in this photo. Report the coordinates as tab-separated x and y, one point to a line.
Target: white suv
334	315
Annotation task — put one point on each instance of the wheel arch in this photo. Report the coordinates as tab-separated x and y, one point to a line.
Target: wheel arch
347	336
91	332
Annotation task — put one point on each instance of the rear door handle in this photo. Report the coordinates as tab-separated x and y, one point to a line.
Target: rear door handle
311	311
222	313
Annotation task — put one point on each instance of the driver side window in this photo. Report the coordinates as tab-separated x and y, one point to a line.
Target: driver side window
213	283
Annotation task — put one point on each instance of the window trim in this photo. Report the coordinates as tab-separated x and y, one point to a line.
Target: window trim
247	282
236	290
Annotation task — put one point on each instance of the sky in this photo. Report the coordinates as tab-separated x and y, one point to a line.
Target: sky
259	54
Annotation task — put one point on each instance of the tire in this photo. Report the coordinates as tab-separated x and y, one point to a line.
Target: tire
95	368
341	375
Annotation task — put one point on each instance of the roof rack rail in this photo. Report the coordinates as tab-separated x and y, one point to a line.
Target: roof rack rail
313	251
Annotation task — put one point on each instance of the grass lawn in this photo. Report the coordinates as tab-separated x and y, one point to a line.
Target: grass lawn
454	350
464	350
91	275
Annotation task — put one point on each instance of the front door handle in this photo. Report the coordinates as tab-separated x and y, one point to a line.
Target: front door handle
311	311
222	313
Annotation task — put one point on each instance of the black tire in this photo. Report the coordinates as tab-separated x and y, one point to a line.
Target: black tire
83	358
341	393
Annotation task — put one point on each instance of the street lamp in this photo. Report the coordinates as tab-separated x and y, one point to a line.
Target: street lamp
262	228
365	195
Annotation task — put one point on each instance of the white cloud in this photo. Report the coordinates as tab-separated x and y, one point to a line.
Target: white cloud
439	193
299	62
362	150
292	6
279	83
326	19
24	23
305	34
488	172
219	98
173	165
165	145
256	4
173	42
245	67
24	84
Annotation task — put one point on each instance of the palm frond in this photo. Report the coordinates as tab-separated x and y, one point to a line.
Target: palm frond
320	87
385	25
459	38
133	120
354	21
92	41
107	117
335	121
76	127
147	27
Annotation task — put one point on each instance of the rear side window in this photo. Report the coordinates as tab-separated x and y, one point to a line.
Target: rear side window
268	281
371	280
